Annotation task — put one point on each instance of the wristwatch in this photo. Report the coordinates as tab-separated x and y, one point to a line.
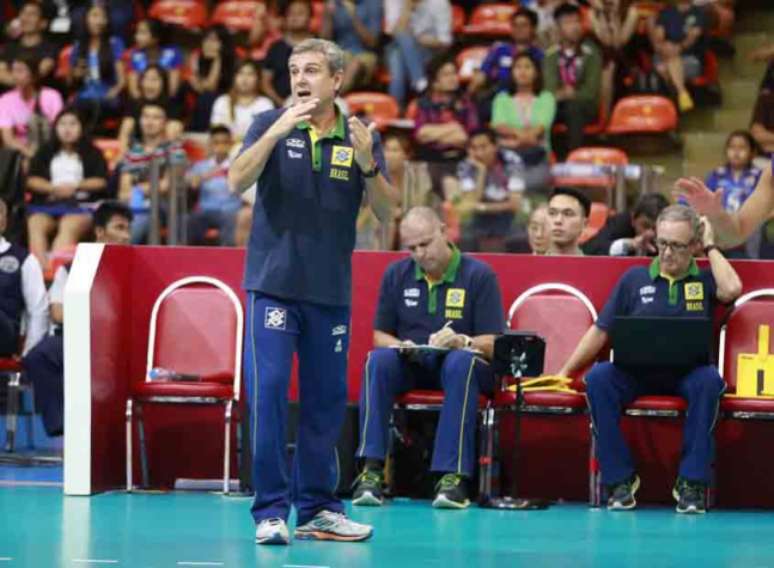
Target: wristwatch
373	172
467	340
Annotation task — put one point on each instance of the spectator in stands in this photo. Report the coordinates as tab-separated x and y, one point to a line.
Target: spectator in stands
419	30
547	33
613	24
263	33
211	71
568	214
356	27
678	40
445	116
32	45
27	111
153	89
65	175
630	233
412	183
238	108
121	16
22	294
496	71
538	230
572	72
150	49
44	364
651	291
491	186
444	299
96	69
217	204
275	78
762	128
135	188
523	117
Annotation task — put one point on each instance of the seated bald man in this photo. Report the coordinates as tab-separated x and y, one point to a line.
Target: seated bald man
443	299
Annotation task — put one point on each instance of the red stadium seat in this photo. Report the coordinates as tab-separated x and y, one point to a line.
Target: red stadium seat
592	129
597	219
189	14
379	107
469	61
710	71
317	14
111	150
643	115
491	20
63	62
458	19
236	15
196	328
598	156
194	151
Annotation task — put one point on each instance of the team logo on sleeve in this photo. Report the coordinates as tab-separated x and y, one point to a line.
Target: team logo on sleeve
275	318
342	156
295	143
9	264
455	298
694	291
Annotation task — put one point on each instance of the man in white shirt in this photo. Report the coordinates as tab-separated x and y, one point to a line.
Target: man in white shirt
44	365
22	294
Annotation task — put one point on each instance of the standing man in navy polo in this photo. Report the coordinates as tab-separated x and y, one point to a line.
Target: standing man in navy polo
446	300
312	167
671	286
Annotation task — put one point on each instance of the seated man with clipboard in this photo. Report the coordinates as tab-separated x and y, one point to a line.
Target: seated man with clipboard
646	301
437	317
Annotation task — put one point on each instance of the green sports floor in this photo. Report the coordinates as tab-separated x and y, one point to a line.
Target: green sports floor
41	528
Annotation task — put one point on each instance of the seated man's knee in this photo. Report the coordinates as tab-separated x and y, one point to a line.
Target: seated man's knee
598	379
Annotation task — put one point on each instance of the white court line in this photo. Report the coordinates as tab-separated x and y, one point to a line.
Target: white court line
93	561
184	563
5	558
303	566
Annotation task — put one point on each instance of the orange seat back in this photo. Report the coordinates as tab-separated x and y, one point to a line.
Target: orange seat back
236	15
469	61
379	107
190	14
643	114
599	155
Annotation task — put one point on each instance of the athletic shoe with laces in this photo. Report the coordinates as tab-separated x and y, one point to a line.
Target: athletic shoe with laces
272	531
451	493
327	525
621	495
368	489
690	496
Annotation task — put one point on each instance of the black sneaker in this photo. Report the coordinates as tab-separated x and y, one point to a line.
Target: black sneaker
369	490
690	496
621	495
451	492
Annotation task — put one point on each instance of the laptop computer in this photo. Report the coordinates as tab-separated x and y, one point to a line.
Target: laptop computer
661	341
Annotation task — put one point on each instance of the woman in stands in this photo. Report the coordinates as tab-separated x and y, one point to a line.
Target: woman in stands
523	118
245	100
65	174
27	111
736	180
153	88
211	69
149	50
96	69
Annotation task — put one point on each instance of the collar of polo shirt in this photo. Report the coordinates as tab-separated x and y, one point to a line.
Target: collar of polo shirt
655	271
448	277
338	131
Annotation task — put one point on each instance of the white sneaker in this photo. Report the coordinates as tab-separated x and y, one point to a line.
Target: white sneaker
272	531
327	525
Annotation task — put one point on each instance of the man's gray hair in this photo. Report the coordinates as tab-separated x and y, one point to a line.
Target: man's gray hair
423	215
332	52
681	214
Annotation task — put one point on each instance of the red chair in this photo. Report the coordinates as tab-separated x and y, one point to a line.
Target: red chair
710	71
469	61
491	20
458	19
189	14
196	328
598	156
739	334
317	15
593	129
63	62
236	15
111	150
561	314
646	114
597	219
379	107
194	150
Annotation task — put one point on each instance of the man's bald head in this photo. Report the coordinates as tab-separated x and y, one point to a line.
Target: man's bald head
420	217
423	233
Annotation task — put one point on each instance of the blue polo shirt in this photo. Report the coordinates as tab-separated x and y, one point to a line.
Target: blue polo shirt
735	188
467	295
307	200
643	291
498	62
